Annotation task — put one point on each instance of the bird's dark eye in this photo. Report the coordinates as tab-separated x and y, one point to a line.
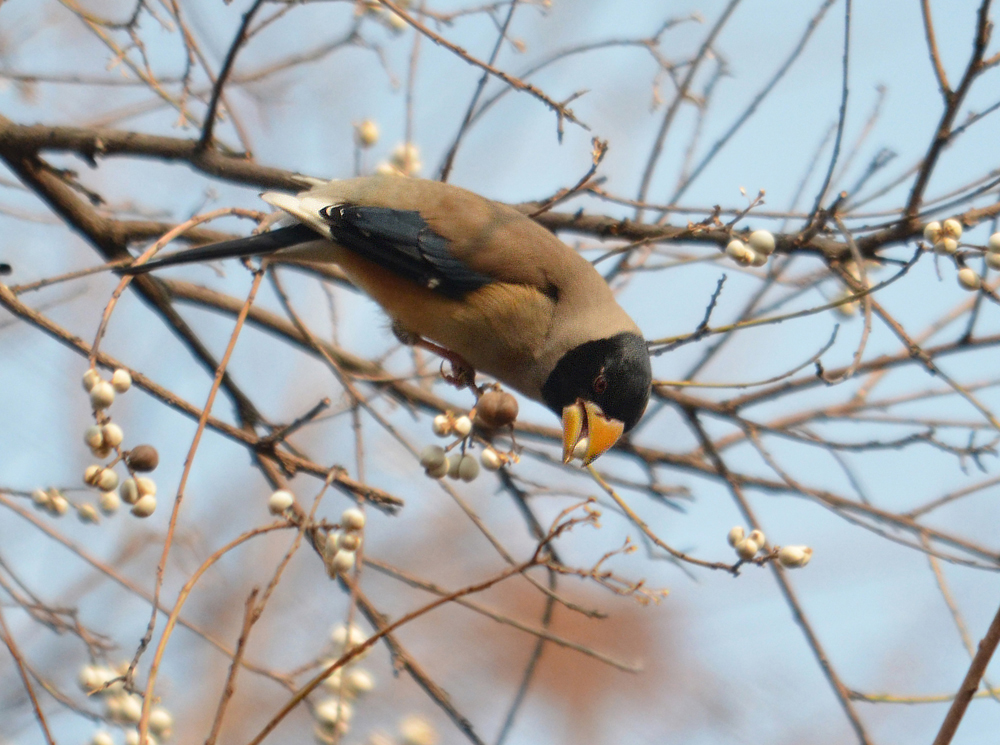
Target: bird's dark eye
600	384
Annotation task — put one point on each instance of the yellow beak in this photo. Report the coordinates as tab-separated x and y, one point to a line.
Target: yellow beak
584	420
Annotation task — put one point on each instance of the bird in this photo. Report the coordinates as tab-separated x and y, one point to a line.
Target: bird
478	282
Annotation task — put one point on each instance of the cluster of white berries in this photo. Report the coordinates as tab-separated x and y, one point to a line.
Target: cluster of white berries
755	252
345	686
495	410
104	439
121	707
404	161
944	238
747	547
341	547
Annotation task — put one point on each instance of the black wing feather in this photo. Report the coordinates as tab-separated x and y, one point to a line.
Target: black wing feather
402	242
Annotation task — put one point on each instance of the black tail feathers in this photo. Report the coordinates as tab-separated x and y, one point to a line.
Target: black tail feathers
254	245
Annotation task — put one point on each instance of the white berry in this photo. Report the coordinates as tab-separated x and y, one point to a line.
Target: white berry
94	437
793	557
746	549
40	499
736	535
463	426
121	380
90	379
332	710
359	682
342	561
762	242
145	506
581	447
91	474
87	513
490	460
109	502
348	541
112	435
993	260
932	232
432	456
58	505
993	244
101	737
416	730
968	279
161	722
145	486
352	519
952	228
280	501
441	426
102	395
739	252
366	133
757	537
129	491
107	480
946	246
468	468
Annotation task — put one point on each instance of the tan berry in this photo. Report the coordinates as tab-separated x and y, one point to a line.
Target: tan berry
496	409
349	541
993	260
143	458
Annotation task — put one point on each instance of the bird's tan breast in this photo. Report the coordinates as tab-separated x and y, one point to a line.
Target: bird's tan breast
500	329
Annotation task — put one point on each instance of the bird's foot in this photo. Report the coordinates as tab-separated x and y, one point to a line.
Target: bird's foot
461	375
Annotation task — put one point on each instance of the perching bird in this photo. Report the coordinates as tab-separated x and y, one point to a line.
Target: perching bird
500	293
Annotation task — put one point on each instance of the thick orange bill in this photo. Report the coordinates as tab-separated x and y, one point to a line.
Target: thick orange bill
572	422
601	432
